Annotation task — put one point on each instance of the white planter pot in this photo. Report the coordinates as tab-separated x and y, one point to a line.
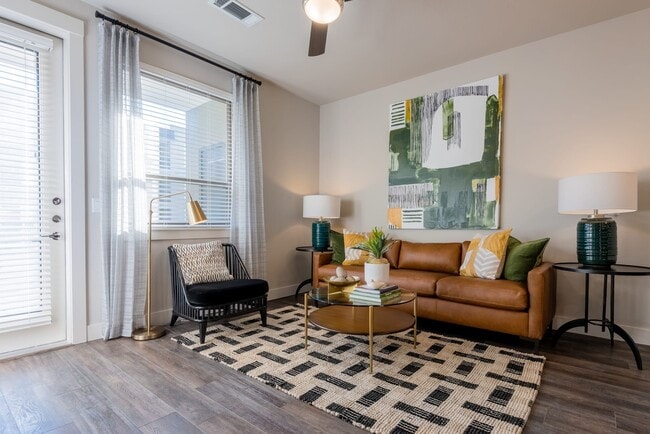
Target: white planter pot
376	272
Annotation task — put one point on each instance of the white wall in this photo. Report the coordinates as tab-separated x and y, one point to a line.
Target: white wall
574	103
290	128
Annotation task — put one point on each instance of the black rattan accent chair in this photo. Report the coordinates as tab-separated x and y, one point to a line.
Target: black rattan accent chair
216	301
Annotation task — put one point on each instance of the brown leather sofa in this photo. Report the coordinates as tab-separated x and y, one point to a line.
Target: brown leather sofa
431	270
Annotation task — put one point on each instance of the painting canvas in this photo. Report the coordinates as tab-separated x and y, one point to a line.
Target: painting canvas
445	158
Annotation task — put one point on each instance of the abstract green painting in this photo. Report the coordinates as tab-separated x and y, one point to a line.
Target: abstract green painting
445	158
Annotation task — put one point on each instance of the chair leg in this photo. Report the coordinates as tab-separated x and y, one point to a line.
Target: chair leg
263	315
173	321
203	326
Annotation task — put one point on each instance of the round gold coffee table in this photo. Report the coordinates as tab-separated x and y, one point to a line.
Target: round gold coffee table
344	316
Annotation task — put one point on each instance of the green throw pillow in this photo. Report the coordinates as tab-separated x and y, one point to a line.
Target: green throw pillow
336	238
522	257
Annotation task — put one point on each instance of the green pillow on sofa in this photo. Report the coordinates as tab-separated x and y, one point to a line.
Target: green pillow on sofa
522	257
338	256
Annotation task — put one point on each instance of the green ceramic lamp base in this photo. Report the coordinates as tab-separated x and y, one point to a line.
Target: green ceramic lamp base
596	245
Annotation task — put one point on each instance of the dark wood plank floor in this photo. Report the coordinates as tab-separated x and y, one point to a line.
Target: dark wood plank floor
123	386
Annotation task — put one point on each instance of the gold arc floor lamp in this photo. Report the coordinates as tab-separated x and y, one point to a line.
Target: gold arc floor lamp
195	216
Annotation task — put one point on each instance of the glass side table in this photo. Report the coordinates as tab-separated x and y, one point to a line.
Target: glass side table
609	275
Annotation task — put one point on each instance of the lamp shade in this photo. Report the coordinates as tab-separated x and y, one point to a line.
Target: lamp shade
195	214
321	206
323	11
598	193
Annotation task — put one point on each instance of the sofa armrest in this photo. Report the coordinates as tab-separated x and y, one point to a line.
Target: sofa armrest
318	260
541	295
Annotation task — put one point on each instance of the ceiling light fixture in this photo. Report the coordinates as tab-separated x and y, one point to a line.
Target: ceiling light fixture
323	11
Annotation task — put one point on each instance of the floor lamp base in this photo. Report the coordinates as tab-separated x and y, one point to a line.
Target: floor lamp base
142	334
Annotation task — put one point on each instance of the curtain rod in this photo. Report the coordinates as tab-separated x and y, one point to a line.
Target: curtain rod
175	47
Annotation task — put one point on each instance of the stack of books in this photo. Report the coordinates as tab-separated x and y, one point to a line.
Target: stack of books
365	295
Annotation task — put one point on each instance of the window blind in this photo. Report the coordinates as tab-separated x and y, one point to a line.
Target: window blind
27	97
187	138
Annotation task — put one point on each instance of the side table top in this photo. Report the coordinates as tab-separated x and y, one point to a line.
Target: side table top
312	249
616	269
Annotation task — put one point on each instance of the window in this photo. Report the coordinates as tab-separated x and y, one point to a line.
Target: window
187	137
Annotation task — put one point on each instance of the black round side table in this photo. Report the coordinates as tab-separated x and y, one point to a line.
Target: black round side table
311	250
603	321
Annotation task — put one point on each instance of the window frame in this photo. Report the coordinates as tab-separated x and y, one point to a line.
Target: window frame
185	232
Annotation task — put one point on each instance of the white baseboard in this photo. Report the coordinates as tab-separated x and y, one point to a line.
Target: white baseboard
94	331
640	335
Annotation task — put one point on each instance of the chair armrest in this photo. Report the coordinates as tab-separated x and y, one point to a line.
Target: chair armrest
541	295
319	259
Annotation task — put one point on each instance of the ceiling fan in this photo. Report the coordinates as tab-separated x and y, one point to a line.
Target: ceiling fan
321	13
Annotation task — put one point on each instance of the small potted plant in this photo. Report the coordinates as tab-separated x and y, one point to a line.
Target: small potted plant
376	267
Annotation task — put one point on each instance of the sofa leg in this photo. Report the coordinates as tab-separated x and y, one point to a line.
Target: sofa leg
203	326
536	346
173	321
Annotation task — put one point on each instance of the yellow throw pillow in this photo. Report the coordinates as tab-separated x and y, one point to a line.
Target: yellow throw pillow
354	256
485	255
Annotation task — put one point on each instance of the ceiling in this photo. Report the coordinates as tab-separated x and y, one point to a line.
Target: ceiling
373	44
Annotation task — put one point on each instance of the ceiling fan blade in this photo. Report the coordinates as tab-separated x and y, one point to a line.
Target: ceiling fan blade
317	39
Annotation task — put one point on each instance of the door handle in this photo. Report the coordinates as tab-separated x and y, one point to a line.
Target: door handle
53	235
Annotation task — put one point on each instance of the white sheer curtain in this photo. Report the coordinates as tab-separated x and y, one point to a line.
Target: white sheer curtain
123	195
247	215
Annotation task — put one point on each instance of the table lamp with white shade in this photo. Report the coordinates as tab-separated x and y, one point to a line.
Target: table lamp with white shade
321	206
595	195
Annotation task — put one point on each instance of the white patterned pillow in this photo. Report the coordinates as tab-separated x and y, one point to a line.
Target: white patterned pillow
486	255
203	262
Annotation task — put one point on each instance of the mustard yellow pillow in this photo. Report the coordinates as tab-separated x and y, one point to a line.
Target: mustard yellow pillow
354	256
486	255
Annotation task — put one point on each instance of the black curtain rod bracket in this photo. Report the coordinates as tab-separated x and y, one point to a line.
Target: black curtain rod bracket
175	47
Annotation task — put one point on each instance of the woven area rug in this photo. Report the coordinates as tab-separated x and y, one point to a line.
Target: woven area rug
447	385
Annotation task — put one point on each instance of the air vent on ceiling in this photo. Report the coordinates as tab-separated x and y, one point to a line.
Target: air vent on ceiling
238	11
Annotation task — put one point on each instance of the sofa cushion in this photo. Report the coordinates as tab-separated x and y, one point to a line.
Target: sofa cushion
338	248
216	293
485	255
202	262
463	250
423	283
522	257
393	253
498	294
440	257
354	256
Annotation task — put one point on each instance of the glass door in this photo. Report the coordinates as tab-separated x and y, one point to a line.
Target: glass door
32	237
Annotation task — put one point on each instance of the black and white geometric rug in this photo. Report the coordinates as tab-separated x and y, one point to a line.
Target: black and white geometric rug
447	385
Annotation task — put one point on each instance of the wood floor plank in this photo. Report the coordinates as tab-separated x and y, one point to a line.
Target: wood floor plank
228	423
171	424
632	423
93	413
257	412
70	428
34	410
188	402
7	422
579	422
124	391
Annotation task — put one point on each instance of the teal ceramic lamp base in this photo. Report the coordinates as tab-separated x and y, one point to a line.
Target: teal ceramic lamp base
596	242
320	235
